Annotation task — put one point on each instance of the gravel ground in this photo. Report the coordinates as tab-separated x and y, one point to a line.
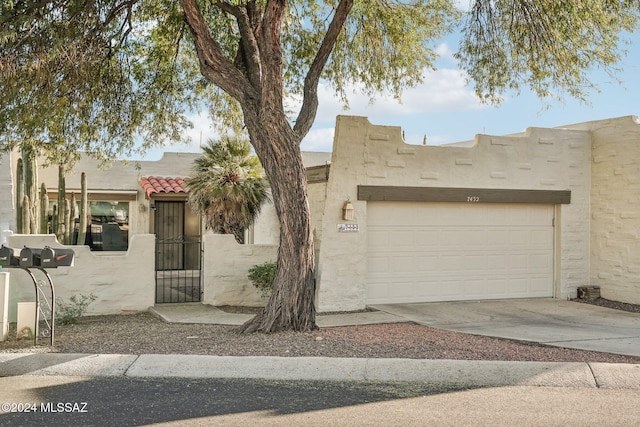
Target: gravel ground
143	333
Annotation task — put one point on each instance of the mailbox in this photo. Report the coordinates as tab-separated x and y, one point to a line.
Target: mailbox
9	257
30	257
56	257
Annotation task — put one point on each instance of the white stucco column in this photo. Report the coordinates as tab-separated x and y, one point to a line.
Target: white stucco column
4	305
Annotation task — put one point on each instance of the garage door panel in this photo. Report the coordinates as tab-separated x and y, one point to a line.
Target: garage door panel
426	237
427	263
443	251
378	238
516	262
539	285
404	265
378	264
540	262
401	238
542	238
497	237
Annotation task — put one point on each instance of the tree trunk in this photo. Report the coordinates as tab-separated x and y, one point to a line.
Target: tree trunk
258	87
292	302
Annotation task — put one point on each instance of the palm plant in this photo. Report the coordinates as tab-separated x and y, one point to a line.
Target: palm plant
228	187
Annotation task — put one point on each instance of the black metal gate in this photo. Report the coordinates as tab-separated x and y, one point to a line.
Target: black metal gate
178	256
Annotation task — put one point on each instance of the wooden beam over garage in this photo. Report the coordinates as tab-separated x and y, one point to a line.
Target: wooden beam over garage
463	195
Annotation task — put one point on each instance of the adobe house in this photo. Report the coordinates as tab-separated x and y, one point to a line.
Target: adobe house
535	214
147	247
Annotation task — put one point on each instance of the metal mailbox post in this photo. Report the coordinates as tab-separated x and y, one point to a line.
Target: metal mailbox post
39	259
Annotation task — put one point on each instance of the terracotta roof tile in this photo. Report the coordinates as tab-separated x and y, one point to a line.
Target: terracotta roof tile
158	184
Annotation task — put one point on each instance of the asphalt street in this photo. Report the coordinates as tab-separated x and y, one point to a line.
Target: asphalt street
121	401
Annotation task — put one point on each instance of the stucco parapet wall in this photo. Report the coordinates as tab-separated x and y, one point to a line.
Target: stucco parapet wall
118	174
612	123
528	160
125	174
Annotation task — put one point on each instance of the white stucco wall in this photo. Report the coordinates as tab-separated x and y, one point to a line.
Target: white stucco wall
366	154
226	265
615	207
7	215
265	229
117	177
121	281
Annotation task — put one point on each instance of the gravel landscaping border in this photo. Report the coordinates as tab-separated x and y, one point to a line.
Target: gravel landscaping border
143	333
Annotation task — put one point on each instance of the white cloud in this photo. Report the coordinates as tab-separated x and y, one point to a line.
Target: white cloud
444	51
201	132
442	91
198	135
318	140
463	5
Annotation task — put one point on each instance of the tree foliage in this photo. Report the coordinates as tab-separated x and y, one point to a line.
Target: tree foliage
228	188
80	75
549	46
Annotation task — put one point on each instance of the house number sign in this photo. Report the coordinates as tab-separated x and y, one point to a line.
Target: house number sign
348	228
473	199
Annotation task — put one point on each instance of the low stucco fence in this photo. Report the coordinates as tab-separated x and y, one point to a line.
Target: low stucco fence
125	281
225	268
121	281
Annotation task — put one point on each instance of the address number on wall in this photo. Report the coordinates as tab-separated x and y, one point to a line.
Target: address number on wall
473	199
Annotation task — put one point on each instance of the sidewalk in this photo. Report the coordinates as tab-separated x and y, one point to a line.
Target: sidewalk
207	314
460	373
471	374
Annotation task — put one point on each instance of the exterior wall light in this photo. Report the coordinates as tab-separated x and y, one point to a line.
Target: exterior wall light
348	211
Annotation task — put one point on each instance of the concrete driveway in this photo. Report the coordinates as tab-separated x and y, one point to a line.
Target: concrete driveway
548	321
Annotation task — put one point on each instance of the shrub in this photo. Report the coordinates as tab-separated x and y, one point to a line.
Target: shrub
262	276
68	313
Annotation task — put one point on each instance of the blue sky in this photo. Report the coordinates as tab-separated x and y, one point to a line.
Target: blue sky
446	110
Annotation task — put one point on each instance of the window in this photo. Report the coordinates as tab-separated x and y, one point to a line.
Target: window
107	225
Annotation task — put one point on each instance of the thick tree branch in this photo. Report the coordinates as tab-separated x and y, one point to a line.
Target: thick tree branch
248	51
310	101
214	65
271	54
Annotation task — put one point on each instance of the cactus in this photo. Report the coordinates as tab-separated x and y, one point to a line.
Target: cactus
54	219
26	215
60	224
72	216
19	195
30	180
44	210
82	228
67	222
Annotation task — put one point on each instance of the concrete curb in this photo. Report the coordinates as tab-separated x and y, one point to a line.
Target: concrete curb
460	373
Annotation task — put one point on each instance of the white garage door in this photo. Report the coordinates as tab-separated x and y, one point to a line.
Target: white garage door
421	252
